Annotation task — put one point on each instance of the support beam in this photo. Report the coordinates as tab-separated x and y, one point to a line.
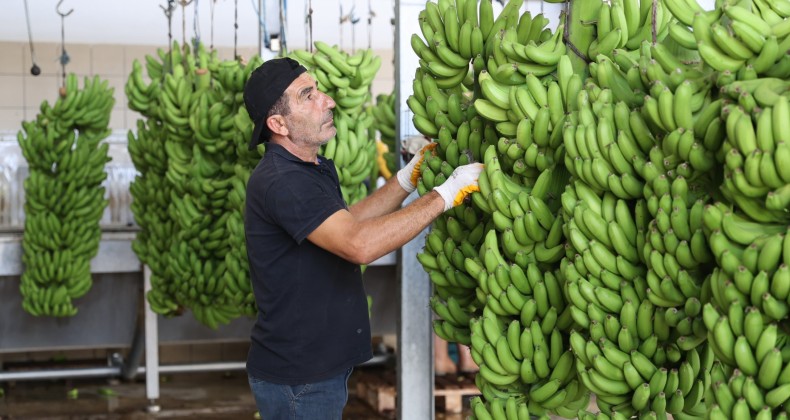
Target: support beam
415	336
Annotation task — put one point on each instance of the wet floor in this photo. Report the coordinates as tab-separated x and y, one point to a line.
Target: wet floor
221	396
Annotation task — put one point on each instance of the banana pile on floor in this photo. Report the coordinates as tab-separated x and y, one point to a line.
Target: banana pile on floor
192	165
347	79
630	237
64	196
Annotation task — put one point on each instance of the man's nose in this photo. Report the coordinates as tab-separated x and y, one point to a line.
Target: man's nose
330	103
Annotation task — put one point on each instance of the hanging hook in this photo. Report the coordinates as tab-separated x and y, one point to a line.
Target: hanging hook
64	57
171	6
57	9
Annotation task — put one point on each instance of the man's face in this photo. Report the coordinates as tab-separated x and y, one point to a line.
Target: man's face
310	121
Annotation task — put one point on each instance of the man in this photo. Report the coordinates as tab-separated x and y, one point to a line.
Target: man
305	246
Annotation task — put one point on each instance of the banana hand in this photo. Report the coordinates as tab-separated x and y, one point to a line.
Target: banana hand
460	184
410	174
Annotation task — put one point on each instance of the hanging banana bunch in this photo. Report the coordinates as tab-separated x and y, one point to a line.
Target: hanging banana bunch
494	262
64	197
187	154
347	79
238	287
150	190
385	123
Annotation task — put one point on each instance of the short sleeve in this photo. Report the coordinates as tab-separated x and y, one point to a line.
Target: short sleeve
301	205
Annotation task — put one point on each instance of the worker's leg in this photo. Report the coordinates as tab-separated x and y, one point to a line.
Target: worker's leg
319	400
442	362
465	361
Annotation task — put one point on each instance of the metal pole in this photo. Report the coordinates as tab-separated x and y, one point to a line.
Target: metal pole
60	374
415	340
151	347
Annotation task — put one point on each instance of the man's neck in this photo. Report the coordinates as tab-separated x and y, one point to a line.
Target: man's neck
303	152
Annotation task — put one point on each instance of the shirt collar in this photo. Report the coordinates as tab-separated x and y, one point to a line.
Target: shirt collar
283	152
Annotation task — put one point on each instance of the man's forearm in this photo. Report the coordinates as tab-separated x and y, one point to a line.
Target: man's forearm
383	201
384	234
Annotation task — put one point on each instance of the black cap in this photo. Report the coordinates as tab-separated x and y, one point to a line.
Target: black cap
265	86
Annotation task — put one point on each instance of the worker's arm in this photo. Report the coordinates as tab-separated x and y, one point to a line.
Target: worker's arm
363	240
390	196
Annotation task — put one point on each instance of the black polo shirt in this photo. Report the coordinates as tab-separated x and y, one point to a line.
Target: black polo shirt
312	309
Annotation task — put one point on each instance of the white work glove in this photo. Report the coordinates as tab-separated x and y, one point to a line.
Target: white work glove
410	174
460	184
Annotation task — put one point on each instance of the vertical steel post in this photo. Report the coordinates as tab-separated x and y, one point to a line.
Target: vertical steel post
151	347
415	336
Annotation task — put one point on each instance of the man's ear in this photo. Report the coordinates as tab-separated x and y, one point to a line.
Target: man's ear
276	124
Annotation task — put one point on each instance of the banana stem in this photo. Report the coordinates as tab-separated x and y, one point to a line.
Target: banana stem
580	32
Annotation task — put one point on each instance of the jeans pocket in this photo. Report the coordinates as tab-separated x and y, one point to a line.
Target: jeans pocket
299	390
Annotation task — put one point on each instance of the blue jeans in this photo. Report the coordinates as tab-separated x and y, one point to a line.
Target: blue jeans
319	400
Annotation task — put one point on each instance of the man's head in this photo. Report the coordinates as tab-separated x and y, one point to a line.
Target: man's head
284	100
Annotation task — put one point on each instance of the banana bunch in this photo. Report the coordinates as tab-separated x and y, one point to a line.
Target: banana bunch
353	153
434	107
683	111
756	176
752	261
455	35
675	248
517	339
513	407
627	24
151	193
347	79
528	121
628	383
491	279
151	190
238	287
187	153
753	377
386	123
451	241
203	115
603	147
524	216
622	292
530	364
747	39
527	48
64	197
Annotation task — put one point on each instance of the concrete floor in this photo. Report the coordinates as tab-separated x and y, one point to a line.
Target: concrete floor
183	396
220	396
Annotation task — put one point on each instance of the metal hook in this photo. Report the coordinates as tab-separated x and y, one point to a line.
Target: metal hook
171	6
57	9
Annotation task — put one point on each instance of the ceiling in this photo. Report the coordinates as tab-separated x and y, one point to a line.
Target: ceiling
143	22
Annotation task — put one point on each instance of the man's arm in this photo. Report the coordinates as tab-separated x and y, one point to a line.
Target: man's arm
390	196
363	240
384	200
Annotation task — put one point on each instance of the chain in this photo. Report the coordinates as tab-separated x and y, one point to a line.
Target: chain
171	6
64	58
196	29
309	20
235	28
212	3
